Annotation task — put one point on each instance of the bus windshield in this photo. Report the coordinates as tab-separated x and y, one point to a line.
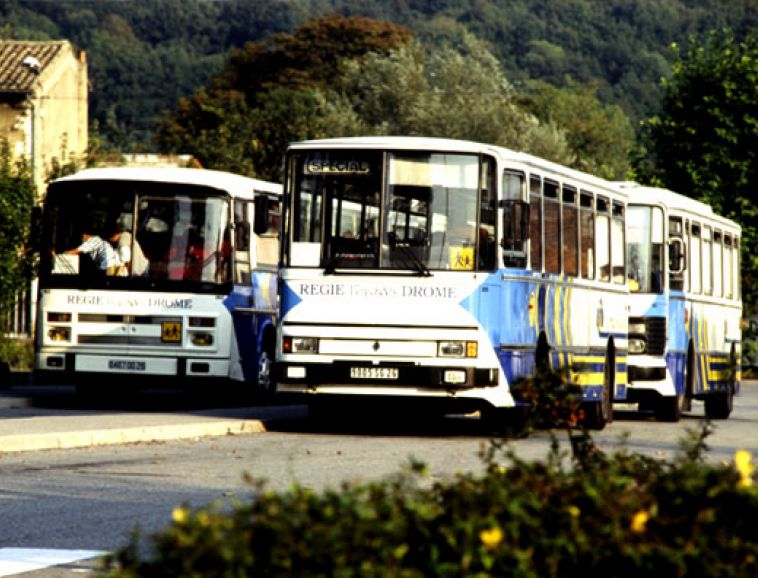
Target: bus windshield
124	234
413	211
645	249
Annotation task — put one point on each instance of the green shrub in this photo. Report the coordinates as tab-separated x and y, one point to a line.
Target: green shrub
581	513
17	353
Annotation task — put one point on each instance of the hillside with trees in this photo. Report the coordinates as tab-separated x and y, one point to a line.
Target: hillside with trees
145	55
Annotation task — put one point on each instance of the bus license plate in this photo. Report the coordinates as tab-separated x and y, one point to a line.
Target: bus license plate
374	373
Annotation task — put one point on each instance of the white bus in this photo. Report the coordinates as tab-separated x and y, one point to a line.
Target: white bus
431	270
685	310
154	276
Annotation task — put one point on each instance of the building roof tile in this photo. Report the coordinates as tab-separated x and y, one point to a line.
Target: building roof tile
15	76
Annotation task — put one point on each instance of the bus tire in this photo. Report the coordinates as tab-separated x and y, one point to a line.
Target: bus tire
719	405
597	414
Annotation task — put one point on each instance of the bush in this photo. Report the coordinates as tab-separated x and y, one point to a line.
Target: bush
17	353
582	513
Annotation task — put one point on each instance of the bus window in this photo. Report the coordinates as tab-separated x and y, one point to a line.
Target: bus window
718	264
618	245
515	219
587	235
603	240
487	219
728	267
706	264
737	269
535	222
645	249
267	232
552	213
241	242
695	269
676	254
570	232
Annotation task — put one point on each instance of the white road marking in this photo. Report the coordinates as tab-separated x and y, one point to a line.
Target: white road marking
18	560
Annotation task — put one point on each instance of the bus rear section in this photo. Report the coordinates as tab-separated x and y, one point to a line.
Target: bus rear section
156	278
407	276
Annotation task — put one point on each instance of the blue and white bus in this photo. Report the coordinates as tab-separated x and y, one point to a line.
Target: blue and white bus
685	304
156	276
432	270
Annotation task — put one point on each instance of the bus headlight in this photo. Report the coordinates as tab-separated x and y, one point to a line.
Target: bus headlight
201	339
636	346
300	345
59	334
457	349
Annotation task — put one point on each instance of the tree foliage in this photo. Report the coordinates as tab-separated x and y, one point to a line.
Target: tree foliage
16	201
704	141
271	93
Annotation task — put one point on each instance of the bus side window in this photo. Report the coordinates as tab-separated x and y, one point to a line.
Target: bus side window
707	260
267	231
677	254
535	222
552	215
242	242
570	232
728	276
515	219
587	236
695	259
618	244
603	240
718	264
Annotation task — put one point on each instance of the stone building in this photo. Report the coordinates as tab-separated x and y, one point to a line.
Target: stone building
43	103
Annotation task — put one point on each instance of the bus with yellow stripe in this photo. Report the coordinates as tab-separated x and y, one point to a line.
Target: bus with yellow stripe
436	272
685	304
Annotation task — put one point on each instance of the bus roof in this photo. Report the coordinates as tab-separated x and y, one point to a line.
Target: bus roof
676	203
461	146
233	183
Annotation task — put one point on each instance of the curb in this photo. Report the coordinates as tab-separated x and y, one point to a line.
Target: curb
141	434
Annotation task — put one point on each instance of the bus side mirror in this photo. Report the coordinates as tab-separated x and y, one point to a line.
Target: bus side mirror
676	256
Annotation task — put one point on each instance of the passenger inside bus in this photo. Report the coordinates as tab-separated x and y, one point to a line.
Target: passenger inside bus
100	253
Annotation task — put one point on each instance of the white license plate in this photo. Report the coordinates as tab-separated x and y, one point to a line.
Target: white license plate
126	365
374	373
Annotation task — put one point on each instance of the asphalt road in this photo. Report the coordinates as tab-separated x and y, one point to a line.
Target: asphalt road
92	498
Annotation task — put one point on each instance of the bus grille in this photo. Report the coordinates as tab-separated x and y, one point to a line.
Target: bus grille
655	332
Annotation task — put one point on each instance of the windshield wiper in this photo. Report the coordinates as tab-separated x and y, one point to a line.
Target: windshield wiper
417	263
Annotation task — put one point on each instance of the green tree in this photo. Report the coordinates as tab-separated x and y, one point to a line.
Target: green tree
16	201
270	93
704	141
599	136
451	92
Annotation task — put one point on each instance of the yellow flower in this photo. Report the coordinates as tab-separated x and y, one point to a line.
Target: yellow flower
179	515
639	521
492	537
744	465
574	511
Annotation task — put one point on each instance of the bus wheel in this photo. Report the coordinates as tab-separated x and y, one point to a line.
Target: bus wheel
719	405
669	408
266	386
597	414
